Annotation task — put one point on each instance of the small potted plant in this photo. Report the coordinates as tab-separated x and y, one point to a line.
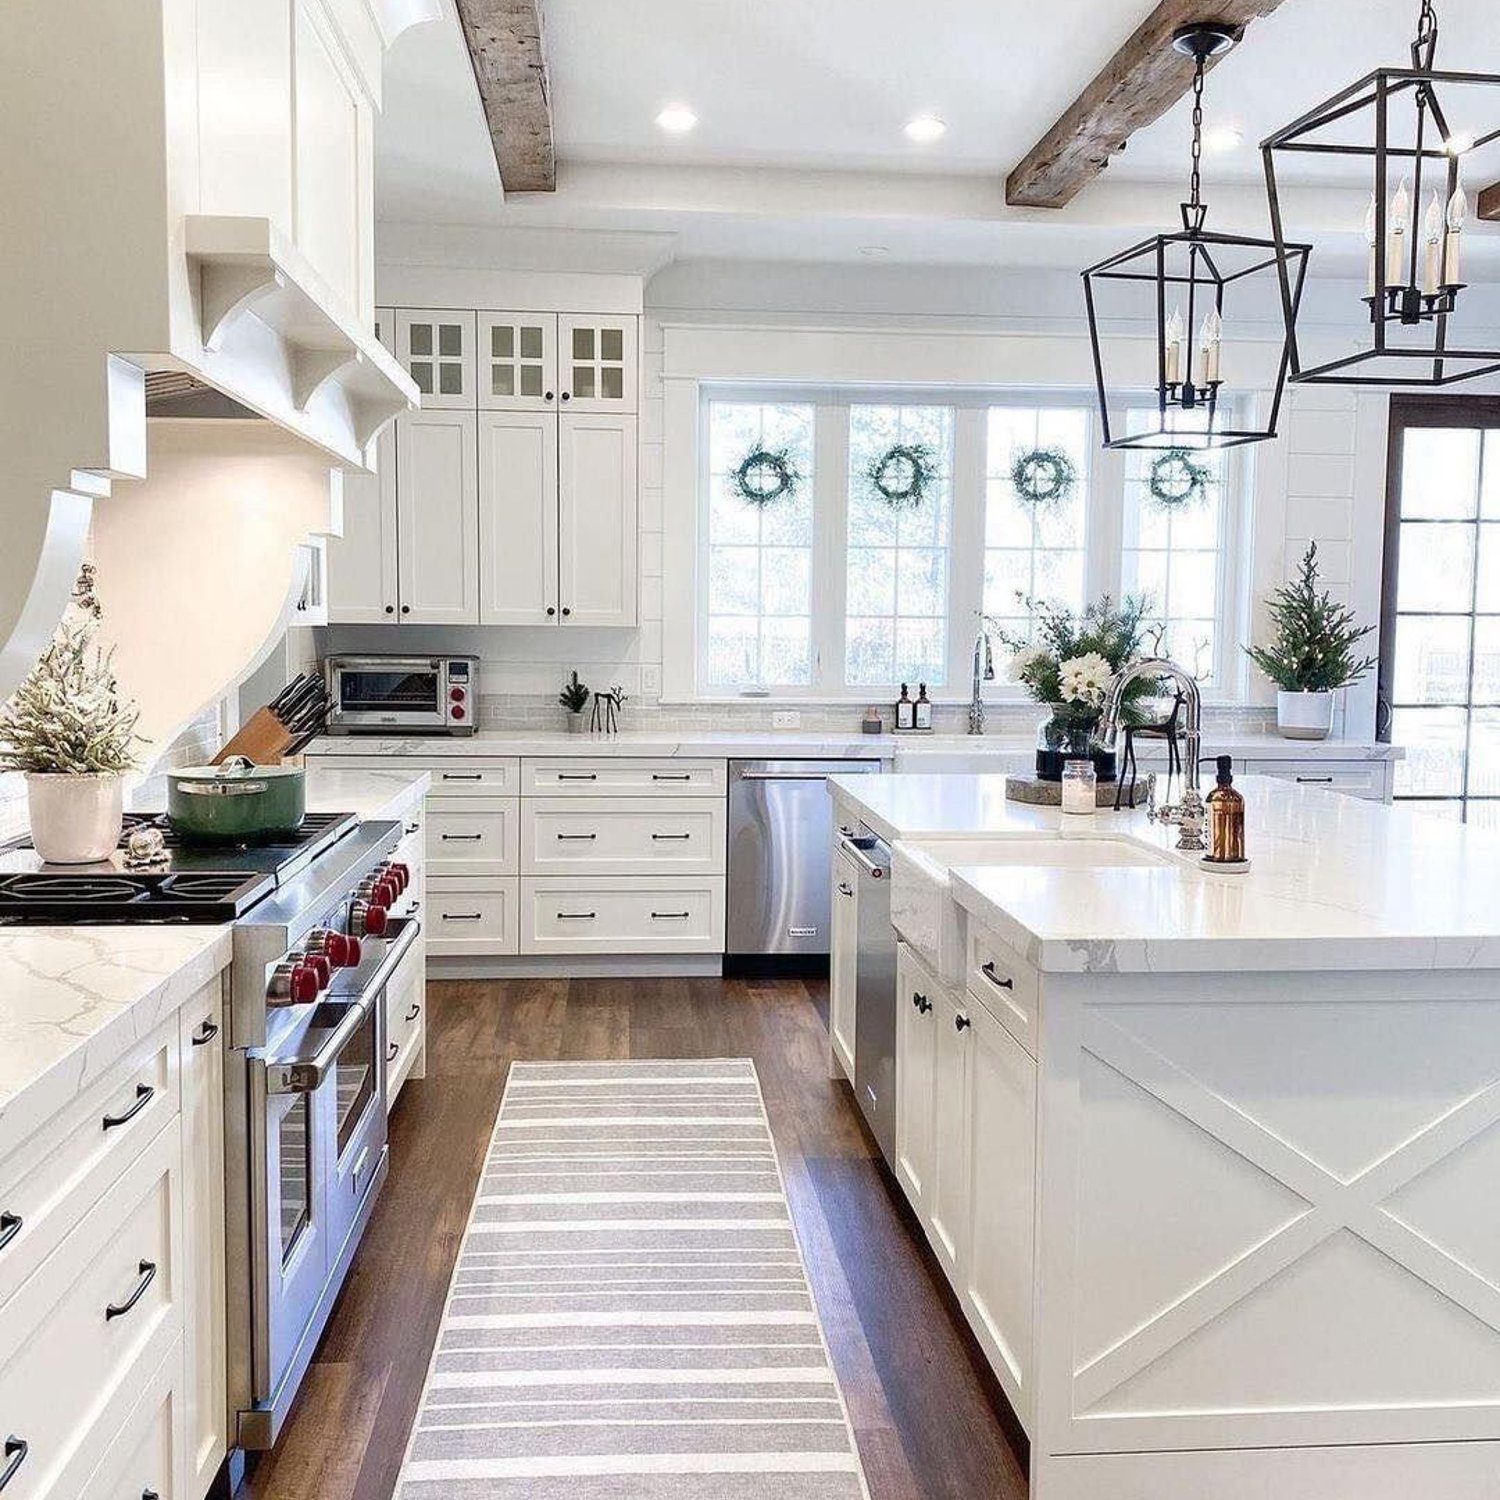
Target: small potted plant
1311	654
70	733
574	697
1067	664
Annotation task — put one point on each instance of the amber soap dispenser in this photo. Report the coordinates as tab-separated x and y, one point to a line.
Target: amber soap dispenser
1226	823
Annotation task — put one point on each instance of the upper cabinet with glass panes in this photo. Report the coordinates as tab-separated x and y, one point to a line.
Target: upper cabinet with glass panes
437	348
518	361
597	363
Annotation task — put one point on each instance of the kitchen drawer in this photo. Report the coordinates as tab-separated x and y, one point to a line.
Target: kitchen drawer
636	914
601	777
140	1457
470	917
475	776
405	1018
1004	983
622	836
466	836
1355	778
59	1173
86	1331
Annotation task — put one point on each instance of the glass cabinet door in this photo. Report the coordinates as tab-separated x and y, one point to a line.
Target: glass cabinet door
437	348
517	361
598	360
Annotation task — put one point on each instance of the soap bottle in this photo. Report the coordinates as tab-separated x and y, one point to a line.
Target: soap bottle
922	709
1226	819
906	710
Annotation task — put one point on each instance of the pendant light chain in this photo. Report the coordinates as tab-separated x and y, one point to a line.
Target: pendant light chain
1196	199
1424	49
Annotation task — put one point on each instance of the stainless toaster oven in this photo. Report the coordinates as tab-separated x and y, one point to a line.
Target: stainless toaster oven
410	694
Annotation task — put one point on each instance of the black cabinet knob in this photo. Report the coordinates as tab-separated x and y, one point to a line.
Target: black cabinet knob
567	395
548	396
390	609
406	609
566	610
550	610
961	1023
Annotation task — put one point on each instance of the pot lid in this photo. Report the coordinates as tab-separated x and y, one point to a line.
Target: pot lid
237	768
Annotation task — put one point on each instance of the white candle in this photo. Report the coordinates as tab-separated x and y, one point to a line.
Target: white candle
1432	246
1374	264
1395	240
1458	212
1210	347
1174	337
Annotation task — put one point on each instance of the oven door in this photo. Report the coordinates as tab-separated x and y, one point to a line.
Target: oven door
373	694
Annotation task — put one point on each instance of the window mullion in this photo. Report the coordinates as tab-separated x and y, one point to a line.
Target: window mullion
1105	534
830	529
966	542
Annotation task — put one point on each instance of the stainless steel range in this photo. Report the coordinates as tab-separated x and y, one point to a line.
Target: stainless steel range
321	920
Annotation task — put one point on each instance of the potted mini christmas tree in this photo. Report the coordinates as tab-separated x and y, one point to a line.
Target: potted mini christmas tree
1311	653
574	697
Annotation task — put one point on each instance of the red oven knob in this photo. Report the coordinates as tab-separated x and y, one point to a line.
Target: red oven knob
403	876
368	919
458	711
353	952
304	984
456	694
321	968
334	946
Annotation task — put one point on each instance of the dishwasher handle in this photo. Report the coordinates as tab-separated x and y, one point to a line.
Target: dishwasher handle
855	849
786	775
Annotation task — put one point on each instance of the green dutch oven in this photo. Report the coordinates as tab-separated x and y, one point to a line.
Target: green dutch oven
237	802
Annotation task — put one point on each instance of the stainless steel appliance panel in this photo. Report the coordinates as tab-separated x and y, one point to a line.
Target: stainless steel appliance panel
420	694
780	847
875	993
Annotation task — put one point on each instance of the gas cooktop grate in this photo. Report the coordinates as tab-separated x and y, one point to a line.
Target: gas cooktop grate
312	826
198	896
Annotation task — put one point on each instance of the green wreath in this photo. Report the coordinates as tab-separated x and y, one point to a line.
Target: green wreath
1043	478
764	476
902	476
1178	480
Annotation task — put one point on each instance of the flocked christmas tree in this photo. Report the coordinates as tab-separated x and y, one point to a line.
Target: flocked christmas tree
1313	647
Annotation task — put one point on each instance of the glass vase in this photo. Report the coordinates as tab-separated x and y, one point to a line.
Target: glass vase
1069	732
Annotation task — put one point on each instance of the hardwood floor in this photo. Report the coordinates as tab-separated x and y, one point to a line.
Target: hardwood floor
931	1423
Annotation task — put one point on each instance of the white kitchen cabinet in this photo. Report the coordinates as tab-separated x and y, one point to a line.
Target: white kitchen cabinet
633	914
597	363
517	361
518	518
437	348
437	544
596	507
363	587
916	1031
949	1206
406	1021
843	946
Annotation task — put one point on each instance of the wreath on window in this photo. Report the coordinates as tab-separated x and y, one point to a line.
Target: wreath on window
1177	480
764	476
1043	478
903	476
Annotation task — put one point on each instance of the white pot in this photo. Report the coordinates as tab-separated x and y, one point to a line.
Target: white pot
575	723
1304	716
75	820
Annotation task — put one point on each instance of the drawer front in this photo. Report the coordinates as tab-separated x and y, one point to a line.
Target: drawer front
56	1176
1004	983
640	914
469	837
89	1327
581	777
140	1456
1355	778
405	1006
466	917
475	776
622	836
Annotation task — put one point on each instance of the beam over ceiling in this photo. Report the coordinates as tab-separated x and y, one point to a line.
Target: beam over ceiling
1489	203
510	66
1138	85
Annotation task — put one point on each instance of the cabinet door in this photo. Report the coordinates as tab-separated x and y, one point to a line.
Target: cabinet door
997	1271
517	357
948	1174
517	518
844	935
916	1025
204	1356
362	586
597	358
437	518
598	544
437	348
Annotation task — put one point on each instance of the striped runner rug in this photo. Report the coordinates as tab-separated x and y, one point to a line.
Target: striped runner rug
630	1315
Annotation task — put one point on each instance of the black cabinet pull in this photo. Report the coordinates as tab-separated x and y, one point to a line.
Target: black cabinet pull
577	775
391	1050
577	838
990	973
10	1227
675	916
16	1450
413	1013
463	775
150	1495
845	889
576	916
414	828
462	916
144	1093
922	1003
683	776
147	1270
461	838
205	1033
1315	781
961	1023
670	838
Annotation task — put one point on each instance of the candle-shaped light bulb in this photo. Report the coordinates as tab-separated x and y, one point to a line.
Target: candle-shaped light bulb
1432	246
1210	347
1395	239
1371	240
1173	338
1458	212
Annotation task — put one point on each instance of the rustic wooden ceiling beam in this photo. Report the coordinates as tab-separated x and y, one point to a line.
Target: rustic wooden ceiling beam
510	66
1138	85
1489	203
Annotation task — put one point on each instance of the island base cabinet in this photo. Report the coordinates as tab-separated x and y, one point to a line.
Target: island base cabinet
949	1208
844	948
916	1033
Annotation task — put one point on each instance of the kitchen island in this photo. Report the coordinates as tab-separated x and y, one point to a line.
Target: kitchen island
1208	1158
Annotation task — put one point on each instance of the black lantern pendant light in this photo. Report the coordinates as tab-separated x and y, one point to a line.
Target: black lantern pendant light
1395	119
1190	277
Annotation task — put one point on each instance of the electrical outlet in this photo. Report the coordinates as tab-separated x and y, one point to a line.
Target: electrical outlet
786	718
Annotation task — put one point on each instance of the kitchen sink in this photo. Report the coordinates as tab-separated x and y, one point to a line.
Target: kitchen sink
922	907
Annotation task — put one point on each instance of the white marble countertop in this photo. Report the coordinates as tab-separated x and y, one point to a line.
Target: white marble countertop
372	796
1335	883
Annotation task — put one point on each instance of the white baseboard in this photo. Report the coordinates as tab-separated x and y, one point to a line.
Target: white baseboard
580	966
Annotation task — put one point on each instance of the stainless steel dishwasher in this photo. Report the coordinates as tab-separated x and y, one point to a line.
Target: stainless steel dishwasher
875	991
780	855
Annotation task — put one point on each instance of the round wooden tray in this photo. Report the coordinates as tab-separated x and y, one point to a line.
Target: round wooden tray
1038	793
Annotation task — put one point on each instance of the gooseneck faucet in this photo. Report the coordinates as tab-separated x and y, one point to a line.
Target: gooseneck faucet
984	671
1187	814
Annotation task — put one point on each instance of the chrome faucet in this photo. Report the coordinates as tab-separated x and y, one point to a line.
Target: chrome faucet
1187	815
984	671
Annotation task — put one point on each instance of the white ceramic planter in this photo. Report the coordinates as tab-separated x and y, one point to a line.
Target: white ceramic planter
1304	716
575	723
75	820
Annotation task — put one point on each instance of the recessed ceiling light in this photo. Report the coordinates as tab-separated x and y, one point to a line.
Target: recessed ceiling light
677	119
1222	138
925	128
875	251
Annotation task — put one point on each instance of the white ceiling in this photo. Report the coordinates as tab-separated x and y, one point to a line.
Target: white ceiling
800	154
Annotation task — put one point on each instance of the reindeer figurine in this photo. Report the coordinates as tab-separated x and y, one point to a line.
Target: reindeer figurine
607	721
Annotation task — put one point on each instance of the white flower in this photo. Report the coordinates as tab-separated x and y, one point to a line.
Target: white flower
1085	679
1023	661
